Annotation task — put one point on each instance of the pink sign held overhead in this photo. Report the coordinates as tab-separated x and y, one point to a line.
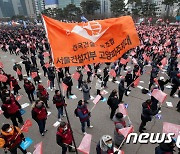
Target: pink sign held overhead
159	95
171	128
122	109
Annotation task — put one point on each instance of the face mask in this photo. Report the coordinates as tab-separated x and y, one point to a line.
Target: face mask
39	106
109	145
9	130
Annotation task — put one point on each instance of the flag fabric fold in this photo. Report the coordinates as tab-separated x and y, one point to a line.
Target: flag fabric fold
91	42
85	144
126	131
159	95
122	109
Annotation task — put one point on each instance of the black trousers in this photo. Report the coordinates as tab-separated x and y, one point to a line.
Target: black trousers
31	96
64	149
113	111
15	116
143	123
14	151
174	89
41	124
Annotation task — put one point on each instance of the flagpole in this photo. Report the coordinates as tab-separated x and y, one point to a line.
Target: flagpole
67	117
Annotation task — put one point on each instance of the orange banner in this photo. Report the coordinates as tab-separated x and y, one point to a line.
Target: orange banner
77	44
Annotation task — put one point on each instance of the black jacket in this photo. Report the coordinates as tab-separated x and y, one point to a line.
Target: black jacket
147	112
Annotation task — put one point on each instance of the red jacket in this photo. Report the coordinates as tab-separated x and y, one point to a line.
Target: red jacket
58	100
64	136
11	108
39	113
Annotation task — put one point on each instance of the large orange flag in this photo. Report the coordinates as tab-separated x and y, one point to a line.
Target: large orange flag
77	44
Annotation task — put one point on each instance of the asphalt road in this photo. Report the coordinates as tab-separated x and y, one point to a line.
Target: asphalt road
100	115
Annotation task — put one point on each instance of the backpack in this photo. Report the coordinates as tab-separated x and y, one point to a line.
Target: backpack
76	112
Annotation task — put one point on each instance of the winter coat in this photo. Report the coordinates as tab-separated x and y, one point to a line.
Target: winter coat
99	84
163	148
147	112
86	92
118	138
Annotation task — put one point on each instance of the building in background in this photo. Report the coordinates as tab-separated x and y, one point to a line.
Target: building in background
30	6
105	7
51	4
39	6
6	8
63	3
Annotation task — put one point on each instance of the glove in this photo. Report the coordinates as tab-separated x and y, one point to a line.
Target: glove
89	114
116	152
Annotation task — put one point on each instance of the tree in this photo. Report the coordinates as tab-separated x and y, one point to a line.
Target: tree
72	12
169	3
118	7
89	6
149	9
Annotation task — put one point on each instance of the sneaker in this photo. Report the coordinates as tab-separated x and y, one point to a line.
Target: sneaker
64	115
51	89
42	134
45	130
84	133
72	150
90	126
28	153
59	119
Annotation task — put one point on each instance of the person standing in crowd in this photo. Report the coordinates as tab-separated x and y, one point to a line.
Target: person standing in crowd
86	91
11	110
128	80
105	145
165	148
106	76
162	82
51	77
39	114
80	80
119	122
59	101
60	74
36	78
121	90
11	138
89	73
14	85
175	84
99	84
147	114
18	69
68	81
29	89
113	103
154	74
42	94
84	115
33	59
27	64
64	137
